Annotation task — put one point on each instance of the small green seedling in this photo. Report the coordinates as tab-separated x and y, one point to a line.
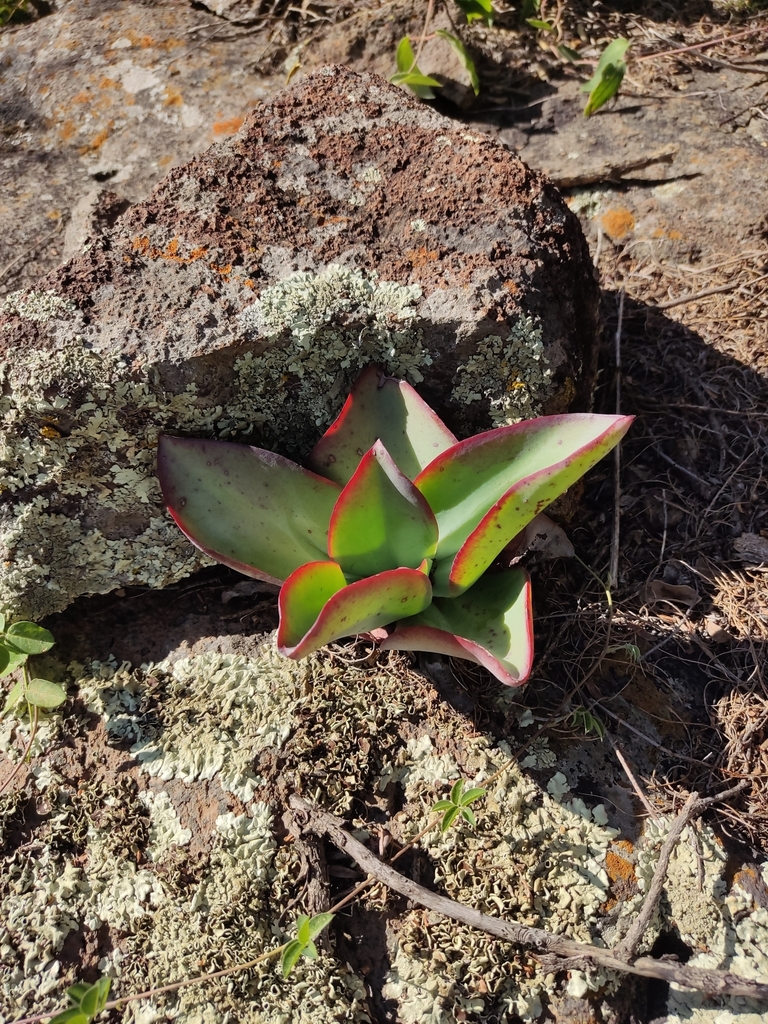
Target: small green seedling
458	804
307	930
581	718
409	74
17	643
608	76
88	1002
477	10
632	651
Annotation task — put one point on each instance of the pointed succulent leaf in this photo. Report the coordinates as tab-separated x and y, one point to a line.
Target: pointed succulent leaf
485	490
29	638
490	624
77	991
380	520
380	408
316	607
93	999
461	52
250	509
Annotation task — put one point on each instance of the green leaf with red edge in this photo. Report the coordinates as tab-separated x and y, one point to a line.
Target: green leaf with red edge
380	408
491	624
485	490
313	613
380	520
251	509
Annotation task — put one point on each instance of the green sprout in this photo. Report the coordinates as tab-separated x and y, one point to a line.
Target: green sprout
608	76
458	804
477	10
17	643
307	930
408	72
88	1002
582	718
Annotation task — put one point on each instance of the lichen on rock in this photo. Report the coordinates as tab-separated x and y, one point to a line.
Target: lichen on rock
333	322
512	375
39	307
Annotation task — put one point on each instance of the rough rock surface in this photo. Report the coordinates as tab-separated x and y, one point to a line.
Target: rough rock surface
108	96
346	223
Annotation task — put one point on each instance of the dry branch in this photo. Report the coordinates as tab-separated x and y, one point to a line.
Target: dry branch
713	983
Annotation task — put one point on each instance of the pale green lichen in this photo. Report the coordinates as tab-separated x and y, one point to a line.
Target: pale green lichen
517	364
332	324
37	306
248	708
165	829
79	431
533	858
231	910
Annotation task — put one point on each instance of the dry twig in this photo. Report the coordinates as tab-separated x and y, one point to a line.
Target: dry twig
543	942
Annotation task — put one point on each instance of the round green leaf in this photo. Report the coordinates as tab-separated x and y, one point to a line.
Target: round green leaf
44	694
29	638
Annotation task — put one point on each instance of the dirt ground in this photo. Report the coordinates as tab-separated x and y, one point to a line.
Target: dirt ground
671	184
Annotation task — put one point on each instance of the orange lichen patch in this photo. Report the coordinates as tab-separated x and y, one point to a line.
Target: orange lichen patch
164	161
53	214
619	868
67	130
234	124
82	97
173	97
98	140
617	222
108	83
661	233
249	283
141	245
511	287
49	433
224	271
419	257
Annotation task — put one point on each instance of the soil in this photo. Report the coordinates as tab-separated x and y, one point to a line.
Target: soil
670	182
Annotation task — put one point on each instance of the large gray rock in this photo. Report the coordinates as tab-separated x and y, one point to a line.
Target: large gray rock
346	223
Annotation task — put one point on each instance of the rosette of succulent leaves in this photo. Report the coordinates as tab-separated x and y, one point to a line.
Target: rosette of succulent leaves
394	528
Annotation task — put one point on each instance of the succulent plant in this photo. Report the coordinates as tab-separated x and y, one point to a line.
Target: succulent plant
394	528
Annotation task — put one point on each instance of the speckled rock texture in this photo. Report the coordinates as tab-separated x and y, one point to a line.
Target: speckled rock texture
345	224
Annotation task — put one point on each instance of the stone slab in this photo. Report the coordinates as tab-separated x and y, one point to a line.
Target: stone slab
346	223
